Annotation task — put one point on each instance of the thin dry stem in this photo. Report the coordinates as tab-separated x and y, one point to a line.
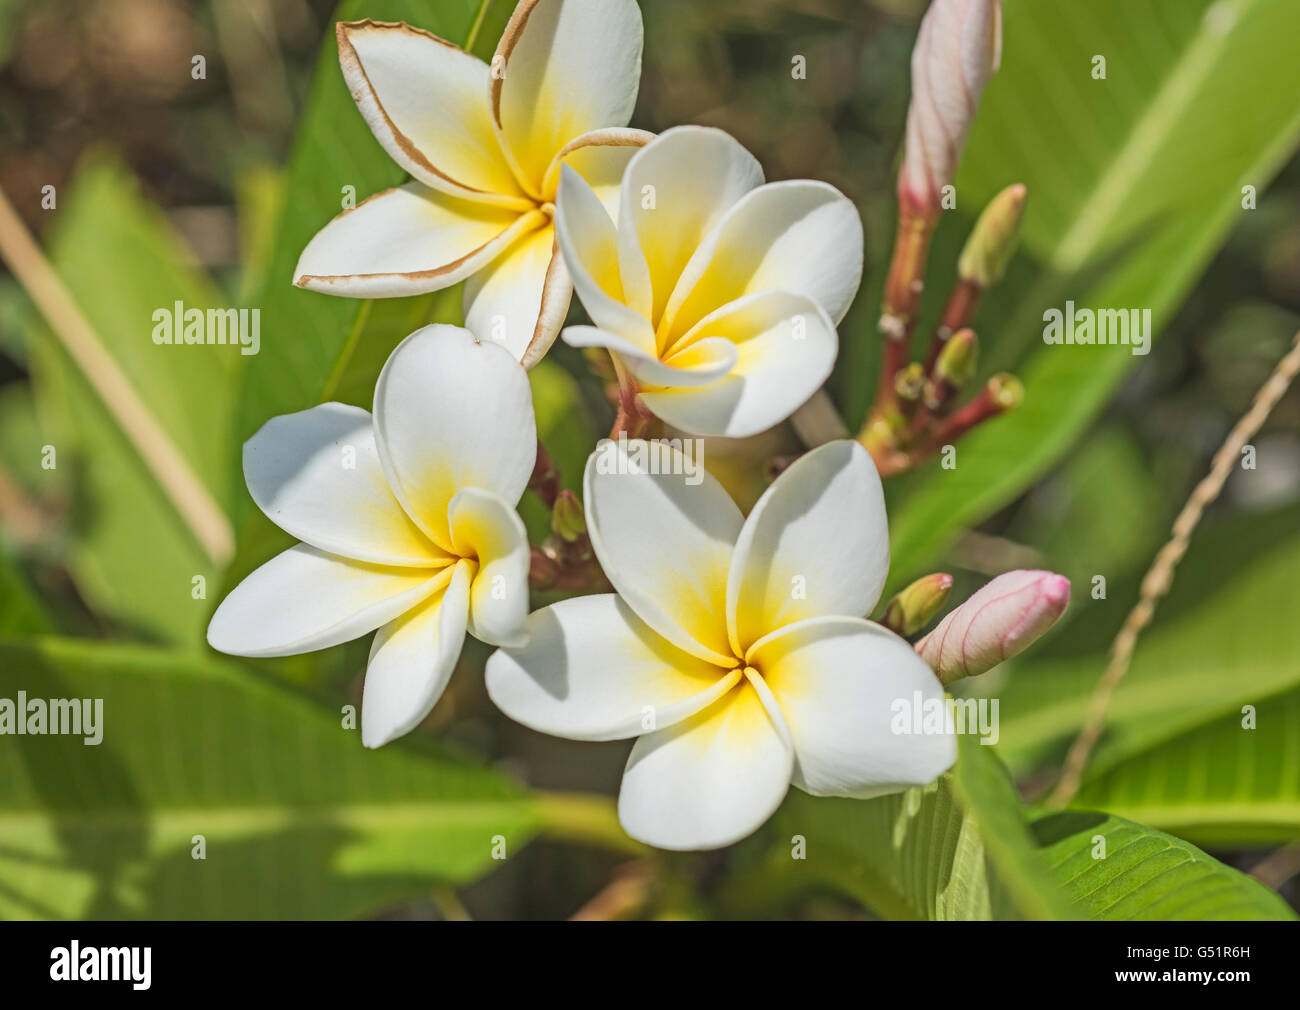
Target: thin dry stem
1161	574
169	467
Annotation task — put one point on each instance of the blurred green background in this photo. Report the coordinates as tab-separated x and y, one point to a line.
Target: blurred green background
205	190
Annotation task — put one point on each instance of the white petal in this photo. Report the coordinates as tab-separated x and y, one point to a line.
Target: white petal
486	528
709	780
799	236
675	191
453	412
521	298
815	544
598	266
304	599
663	529
317	475
566	67
411	660
700	364
601	157
593	670
422	97
407	241
847	689
787	347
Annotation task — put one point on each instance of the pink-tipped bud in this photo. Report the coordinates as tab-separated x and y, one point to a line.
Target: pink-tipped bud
957	50
996	623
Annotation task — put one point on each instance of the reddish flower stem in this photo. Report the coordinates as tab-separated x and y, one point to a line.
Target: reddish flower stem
632	418
958	313
545	480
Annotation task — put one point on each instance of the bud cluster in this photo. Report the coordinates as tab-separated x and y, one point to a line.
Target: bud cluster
916	411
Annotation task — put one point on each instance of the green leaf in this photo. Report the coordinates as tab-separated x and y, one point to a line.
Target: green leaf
1220	785
21	610
133	556
1104	511
298	820
259	195
988	796
958	849
1134	183
21	444
1145	874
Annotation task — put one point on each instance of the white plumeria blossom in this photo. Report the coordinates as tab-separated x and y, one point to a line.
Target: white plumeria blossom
483	146
734	648
718	294
407	521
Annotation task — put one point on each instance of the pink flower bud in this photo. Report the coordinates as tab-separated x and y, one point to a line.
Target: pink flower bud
957	50
996	623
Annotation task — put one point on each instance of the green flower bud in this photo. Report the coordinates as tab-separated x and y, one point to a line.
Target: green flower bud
567	519
914	607
909	382
990	246
956	362
1006	391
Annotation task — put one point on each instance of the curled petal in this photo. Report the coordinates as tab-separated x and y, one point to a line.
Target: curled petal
521	298
800	236
610	276
600	157
996	623
702	363
675	191
563	68
785	349
486	528
422	98
407	241
957	51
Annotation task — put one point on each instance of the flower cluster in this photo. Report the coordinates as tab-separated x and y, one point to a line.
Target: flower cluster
736	650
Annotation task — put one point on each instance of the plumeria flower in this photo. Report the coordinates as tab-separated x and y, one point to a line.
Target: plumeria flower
407	521
734	649
484	146
717	295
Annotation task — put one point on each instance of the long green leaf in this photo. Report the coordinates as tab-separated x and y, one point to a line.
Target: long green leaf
133	556
1116	870
298	820
1233	781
